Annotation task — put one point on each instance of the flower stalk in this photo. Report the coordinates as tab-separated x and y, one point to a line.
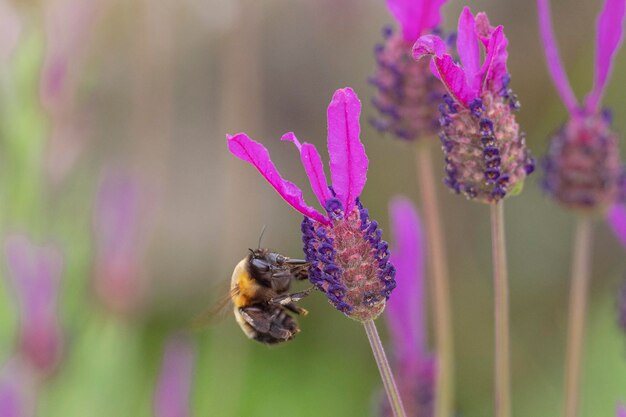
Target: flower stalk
502	388
385	370
439	286
581	266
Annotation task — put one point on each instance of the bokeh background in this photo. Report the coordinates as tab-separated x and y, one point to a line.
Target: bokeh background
113	116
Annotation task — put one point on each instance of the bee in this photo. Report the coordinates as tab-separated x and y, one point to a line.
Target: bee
262	303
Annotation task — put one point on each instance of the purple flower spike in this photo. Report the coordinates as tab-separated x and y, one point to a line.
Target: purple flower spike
117	228
36	273
621	411
349	260
413	365
485	152
173	391
407	92
617	220
582	167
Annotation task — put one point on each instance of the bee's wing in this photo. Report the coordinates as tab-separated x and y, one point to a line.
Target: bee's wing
215	313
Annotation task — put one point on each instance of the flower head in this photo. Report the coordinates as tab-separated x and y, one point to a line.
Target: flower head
486	155
36	273
407	92
117	221
413	365
173	389
582	167
349	260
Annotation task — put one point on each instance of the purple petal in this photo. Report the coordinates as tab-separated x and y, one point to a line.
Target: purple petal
621	411
555	66
617	220
313	167
172	396
36	273
493	69
254	153
467	44
416	16
429	45
17	389
348	161
406	308
609	38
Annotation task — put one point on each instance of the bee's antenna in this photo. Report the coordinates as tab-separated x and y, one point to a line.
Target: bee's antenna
261	236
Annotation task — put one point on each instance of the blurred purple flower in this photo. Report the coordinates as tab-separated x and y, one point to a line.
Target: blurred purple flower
68	24
486	154
407	92
582	167
36	274
413	365
117	221
621	411
10	30
349	261
173	391
17	389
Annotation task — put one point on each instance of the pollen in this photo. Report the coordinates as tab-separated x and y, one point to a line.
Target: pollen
350	262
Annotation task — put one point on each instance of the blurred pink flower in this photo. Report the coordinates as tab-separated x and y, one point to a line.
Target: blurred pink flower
68	24
583	168
17	389
10	30
117	227
36	274
416	17
413	365
173	391
621	411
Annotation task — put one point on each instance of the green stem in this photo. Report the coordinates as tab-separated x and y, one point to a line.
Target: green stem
439	286
502	390
385	371
581	265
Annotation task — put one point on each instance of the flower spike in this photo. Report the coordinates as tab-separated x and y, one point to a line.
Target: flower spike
582	167
349	260
486	154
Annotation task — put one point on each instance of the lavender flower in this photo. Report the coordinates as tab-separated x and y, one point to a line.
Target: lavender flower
349	260
116	226
413	366
36	273
407	92
17	389
621	411
582	167
173	390
486	155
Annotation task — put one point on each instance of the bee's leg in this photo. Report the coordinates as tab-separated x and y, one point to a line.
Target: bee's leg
288	301
257	318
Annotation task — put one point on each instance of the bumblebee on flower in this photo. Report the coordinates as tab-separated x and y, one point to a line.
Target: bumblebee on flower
486	154
349	260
